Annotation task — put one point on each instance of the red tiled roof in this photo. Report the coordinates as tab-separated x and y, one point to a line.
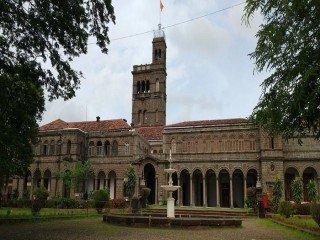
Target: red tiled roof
150	133
87	126
210	122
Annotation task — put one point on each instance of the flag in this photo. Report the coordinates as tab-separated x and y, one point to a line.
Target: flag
161	5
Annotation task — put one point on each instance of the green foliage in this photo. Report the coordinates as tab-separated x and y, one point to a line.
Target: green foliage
40	196
312	190
277	193
26	194
315	212
144	193
251	200
77	175
297	190
130	181
100	198
286	209
38	40
288	47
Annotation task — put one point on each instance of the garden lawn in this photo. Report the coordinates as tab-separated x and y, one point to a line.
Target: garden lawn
299	221
26	212
95	229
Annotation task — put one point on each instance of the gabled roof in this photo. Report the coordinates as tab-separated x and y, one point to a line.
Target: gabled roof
87	126
150	133
216	122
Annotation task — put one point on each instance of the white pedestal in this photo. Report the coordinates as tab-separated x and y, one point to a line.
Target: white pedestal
170	207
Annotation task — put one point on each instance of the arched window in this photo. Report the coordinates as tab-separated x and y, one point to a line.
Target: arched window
157	85
173	146
143	87
99	148
52	147
91	148
115	148
69	147
127	149
155	54
138	87
59	147
107	148
45	148
144	116
271	142
139	117
148	86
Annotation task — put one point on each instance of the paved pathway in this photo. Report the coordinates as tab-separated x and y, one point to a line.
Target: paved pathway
252	229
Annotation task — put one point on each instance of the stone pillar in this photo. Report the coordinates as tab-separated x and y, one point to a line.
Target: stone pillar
204	194
245	190
20	183
231	193
156	191
53	183
191	192
218	192
41	182
179	193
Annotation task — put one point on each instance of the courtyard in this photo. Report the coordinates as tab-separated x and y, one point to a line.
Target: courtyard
93	228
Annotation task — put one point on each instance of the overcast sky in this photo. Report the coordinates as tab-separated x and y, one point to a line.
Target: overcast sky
210	75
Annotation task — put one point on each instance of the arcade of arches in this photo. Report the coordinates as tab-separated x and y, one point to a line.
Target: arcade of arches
213	189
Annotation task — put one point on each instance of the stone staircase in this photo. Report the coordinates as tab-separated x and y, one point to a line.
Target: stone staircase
221	213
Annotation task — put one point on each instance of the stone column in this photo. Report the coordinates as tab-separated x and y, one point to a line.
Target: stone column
41	182
245	190
156	191
204	194
179	193
191	192
318	185
231	193
218	192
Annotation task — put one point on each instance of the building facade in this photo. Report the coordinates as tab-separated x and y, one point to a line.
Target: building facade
216	160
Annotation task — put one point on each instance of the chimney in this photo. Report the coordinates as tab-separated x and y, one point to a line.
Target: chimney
98	119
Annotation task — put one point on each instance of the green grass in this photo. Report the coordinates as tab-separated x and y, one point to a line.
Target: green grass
45	212
291	232
299	221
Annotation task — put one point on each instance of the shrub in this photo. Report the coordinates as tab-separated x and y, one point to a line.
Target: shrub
251	200
312	191
117	203
100	198
315	212
286	209
277	193
144	193
302	209
26	194
297	188
40	196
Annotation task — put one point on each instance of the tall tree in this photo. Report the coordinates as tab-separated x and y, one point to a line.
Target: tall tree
289	48
38	40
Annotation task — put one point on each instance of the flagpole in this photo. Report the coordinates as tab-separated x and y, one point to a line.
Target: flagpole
160	12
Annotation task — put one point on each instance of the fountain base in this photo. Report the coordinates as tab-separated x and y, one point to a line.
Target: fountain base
170	207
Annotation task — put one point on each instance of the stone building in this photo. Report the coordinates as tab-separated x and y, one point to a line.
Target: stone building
216	160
